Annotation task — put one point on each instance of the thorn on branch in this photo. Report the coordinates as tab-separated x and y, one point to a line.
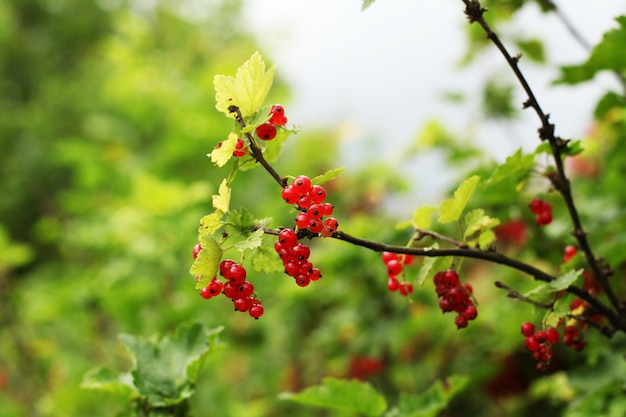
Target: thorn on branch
526	104
516	58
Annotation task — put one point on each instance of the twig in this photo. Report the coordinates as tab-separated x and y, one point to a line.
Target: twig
514	294
423	233
256	152
474	12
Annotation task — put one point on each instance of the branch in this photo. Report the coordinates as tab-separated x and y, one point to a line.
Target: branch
474	12
514	294
256	152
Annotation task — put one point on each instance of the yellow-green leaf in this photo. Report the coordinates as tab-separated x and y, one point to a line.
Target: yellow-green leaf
210	223
207	263
451	210
247	90
251	242
422	217
224	150
222	200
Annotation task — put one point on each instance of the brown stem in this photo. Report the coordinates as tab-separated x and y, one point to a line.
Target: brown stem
514	294
474	12
256	152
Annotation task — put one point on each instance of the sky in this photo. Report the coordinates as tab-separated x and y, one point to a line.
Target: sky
380	74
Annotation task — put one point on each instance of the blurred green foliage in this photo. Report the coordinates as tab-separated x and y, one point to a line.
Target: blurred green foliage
106	116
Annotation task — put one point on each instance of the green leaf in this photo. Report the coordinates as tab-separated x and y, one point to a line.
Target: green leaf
165	369
486	238
207	263
450	210
560	309
223	151
274	147
210	223
327	176
247	90
366	4
565	280
574	147
104	379
265	259
422	217
431	402
517	166
251	242
221	201
347	396
607	55
533	49
477	223
240	222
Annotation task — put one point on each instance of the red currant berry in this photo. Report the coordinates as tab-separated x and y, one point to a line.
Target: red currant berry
239	148
256	310
225	268
577	302
393	284
394	267
406	288
389	256
470	313
304	201
569	253
206	292
460	321
196	250
316	225
532	344
468	288
303	221
266	131
290	195
277	113
316	211
292	269
328	209
570	331
237	273
301	252
407	259
552	335
230	289
288	238
540	335
242	304
544	219
450	277
317	193
445	305
331	223
303	280
315	274
245	290
302	184
537	206
528	329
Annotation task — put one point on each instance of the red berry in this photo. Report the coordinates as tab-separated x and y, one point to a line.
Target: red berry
407	259
301	184
256	310
540	335
239	148
237	273
394	267
225	268
316	211
532	344
317	193
406	288
570	332
245	290
393	284
230	289
528	329
301	252
206	292
537	206
569	253
277	113
266	131
242	304
544	219
445	305
552	335
196	250
460	321
303	280
331	223
288	238
316	225
302	221
470	313
315	274
304	201
328	209
389	256
450	277
290	195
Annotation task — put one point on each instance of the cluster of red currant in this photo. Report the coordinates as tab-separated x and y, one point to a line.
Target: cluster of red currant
236	287
395	266
455	297
542	210
267	131
540	343
310	201
295	257
573	338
